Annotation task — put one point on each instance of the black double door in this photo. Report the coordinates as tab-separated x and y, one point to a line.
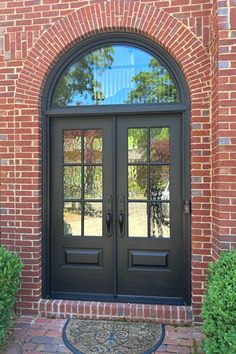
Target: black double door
116	208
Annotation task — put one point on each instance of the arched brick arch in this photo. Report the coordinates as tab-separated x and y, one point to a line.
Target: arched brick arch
185	48
103	16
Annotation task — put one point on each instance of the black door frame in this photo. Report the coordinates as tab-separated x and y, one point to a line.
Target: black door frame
47	113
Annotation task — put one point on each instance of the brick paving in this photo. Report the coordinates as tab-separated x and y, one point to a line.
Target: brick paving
43	335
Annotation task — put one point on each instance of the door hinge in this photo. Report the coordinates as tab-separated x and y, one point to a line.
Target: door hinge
187	206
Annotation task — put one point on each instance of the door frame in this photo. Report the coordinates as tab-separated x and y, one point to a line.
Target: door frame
47	113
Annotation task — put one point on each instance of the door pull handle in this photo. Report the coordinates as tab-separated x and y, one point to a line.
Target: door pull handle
121	222
121	215
108	223
108	215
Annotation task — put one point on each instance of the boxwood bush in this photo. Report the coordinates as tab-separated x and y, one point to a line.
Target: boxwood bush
219	306
10	268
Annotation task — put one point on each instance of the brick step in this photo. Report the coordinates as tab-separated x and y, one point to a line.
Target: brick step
168	314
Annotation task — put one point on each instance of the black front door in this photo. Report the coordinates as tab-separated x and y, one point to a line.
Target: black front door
117	208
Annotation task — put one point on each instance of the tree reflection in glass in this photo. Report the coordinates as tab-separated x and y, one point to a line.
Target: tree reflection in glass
79	84
93	182
159	144
72	182
137	182
72	146
93	146
137	145
116	74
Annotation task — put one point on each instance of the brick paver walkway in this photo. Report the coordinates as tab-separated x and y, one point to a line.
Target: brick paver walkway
42	335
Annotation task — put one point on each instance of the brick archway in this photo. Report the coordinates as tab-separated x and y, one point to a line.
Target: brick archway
184	47
124	15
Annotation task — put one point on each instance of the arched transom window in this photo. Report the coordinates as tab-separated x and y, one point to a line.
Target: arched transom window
115	74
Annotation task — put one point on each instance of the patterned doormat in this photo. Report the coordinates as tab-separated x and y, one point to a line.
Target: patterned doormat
112	337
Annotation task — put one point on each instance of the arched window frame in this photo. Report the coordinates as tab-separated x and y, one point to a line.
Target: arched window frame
86	46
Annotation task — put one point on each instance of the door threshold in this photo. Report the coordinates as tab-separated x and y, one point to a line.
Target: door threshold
162	313
136	299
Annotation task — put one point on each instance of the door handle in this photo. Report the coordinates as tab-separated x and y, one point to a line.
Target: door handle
108	223
121	223
121	215
108	215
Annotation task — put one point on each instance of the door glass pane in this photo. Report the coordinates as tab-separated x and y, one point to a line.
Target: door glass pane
148	179
115	74
93	146
160	219
137	145
137	219
72	146
137	182
93	182
72	219
72	182
159	182
159	145
92	219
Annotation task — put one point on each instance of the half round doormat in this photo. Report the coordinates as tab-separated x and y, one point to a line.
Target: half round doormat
112	337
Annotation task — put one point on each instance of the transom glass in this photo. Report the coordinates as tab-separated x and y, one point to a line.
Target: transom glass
115	74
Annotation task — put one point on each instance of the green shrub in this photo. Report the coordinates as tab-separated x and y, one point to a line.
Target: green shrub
219	307
10	268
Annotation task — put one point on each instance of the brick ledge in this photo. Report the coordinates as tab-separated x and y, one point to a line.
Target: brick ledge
169	314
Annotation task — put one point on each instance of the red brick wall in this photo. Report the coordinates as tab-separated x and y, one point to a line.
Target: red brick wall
223	49
35	33
214	39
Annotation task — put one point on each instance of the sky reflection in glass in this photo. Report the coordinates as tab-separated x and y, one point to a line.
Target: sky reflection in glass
117	74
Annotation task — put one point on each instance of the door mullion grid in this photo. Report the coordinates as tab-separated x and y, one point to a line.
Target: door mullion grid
63	181
82	180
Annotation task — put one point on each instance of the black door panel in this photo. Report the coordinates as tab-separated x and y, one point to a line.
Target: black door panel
81	254
149	254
